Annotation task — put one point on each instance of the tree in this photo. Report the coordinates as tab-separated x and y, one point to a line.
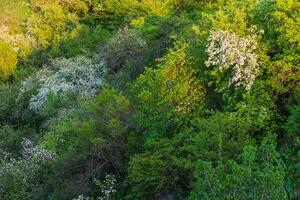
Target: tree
169	93
166	165
124	56
260	175
90	141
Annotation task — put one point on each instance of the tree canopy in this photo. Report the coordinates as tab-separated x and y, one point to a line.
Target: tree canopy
149	99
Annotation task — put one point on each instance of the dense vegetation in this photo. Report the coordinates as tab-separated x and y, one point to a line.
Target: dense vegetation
149	99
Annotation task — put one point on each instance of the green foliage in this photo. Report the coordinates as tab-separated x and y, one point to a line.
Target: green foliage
167	164
124	55
14	105
66	132
248	180
94	134
82	40
168	93
10	139
292	127
287	17
112	13
149	99
283	71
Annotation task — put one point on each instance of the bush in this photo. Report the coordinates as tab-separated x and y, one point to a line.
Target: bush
169	94
10	139
123	55
78	76
19	178
8	61
49	22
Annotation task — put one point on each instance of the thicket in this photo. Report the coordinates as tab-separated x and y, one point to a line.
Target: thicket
143	99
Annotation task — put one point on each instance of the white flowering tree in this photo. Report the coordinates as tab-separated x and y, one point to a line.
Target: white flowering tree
227	50
79	76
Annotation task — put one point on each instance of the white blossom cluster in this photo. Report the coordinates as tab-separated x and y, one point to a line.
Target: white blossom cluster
108	189
78	75
225	50
81	197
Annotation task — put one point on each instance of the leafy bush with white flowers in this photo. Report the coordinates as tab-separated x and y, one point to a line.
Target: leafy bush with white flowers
107	187
226	49
79	76
19	176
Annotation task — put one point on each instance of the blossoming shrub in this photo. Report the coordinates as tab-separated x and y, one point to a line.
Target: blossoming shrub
107	189
227	50
8	61
78	76
19	177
